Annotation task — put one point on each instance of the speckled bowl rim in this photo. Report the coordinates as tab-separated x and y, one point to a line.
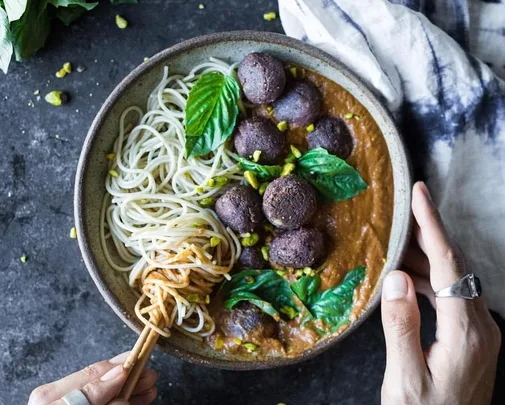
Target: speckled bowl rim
79	197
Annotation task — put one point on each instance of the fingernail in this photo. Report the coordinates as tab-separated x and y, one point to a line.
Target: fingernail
111	374
395	286
426	192
120	358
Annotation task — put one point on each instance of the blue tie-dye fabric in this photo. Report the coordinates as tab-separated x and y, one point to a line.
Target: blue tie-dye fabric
437	65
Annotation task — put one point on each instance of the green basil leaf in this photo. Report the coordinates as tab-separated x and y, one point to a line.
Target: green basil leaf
307	289
68	3
5	42
15	9
262	172
29	34
335	305
68	15
263	288
211	113
331	176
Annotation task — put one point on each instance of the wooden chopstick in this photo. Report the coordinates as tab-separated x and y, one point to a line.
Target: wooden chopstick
137	360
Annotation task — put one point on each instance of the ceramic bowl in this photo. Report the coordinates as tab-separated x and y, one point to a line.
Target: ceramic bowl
134	90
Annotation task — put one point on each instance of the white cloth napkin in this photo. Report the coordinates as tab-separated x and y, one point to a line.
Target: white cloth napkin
449	106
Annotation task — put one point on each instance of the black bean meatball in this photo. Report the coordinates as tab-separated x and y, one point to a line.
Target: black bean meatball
333	135
259	133
251	258
300	105
300	248
240	209
262	78
249	323
289	202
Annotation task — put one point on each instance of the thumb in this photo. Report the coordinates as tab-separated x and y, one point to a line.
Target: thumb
401	322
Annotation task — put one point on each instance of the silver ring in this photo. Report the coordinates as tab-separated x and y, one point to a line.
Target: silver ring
467	287
75	397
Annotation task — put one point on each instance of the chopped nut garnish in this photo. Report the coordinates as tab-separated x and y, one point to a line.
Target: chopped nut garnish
60	74
265	253
237	340
36	92
221	181
207	299
282	273
201	6
289	311
250	240
384	260
195	298
113	173
23	259
287	169
57	136
214	241
348	116
219	343
110	156
56	97
251	347
73	233
199	189
310	128
146	58
250	177
295	151
67	67
292	70
256	155
207	202
263	187
210	183
271	15
121	22
282	126
270	110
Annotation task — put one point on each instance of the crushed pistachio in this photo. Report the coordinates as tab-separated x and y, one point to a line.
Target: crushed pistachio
264	252
219	343
110	156
67	67
250	177
250	240
245	234
207	299
310	128
269	16
73	233
36	92
270	110
60	74
23	259
201	6
269	228
308	271
113	173
195	298
357	117
199	189
282	273
121	22
207	202
384	260
256	155
299	273
221	181
289	311
251	347
57	136
237	340
249	279
197	225
287	169
214	241
348	116
295	151
210	183
56	97
282	126
146	58
263	187
290	158
293	71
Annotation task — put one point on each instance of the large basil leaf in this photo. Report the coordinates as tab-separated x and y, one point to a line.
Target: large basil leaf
263	288
15	9
5	41
330	175
29	34
68	3
334	305
262	172
211	112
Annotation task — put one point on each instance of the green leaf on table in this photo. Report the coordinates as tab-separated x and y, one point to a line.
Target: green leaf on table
15	9
211	113
68	15
30	33
68	3
262	172
331	176
5	42
264	288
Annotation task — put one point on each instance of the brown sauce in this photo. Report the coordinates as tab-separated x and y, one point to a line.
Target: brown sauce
358	229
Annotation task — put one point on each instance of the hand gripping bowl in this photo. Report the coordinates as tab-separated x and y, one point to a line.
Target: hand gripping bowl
134	90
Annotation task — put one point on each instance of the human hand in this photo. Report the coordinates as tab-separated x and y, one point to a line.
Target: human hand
100	383
460	367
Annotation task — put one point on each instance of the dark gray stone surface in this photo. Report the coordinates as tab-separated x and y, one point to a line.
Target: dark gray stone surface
52	319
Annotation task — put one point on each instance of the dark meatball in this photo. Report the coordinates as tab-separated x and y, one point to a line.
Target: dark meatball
289	202
259	133
300	248
249	323
240	209
333	135
262	78
251	258
300	105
